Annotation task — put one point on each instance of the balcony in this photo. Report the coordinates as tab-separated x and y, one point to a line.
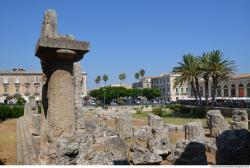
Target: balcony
37	84
36	94
17	83
27	84
27	94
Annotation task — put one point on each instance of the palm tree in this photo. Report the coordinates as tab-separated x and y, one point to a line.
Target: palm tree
122	77
98	80
189	72
206	72
221	69
137	76
142	73
105	78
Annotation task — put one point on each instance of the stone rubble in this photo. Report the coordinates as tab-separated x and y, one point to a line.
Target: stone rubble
67	133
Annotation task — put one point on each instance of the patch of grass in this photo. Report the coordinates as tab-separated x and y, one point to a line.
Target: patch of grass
175	118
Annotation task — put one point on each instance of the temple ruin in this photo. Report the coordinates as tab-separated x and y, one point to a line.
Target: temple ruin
61	131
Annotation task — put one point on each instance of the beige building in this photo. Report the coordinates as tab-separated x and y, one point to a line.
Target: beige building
127	86
26	83
238	86
20	82
143	83
165	82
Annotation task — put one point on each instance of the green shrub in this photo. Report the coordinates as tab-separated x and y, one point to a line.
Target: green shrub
20	101
159	111
7	111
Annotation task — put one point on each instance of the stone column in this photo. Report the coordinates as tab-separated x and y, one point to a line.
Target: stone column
77	82
57	54
60	98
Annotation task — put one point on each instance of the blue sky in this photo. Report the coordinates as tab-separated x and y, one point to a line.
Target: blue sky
127	35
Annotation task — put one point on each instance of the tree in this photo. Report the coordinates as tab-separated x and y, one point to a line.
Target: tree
122	77
137	76
206	73
105	78
151	93
142	73
189	72
98	80
220	68
116	93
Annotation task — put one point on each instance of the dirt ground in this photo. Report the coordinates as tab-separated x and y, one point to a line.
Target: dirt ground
8	142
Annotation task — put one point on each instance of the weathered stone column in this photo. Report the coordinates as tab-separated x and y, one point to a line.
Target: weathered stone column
239	120
57	54
216	123
194	132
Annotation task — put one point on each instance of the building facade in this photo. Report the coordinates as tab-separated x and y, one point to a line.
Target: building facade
237	86
20	82
165	83
26	83
127	86
145	82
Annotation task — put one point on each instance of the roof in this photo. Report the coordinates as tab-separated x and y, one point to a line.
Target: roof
18	72
150	77
240	76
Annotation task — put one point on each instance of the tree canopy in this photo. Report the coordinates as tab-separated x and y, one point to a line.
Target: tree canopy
114	93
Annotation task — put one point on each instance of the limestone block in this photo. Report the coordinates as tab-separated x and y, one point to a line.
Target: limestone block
124	125
239	120
188	153
142	156
158	141
174	128
155	121
194	132
233	148
216	122
36	124
141	133
118	150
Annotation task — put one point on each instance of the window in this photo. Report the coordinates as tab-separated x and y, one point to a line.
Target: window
233	90
17	89
225	91
219	91
241	90
182	90
17	80
186	90
248	90
5	80
5	89
27	79
27	92
37	79
177	91
36	90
